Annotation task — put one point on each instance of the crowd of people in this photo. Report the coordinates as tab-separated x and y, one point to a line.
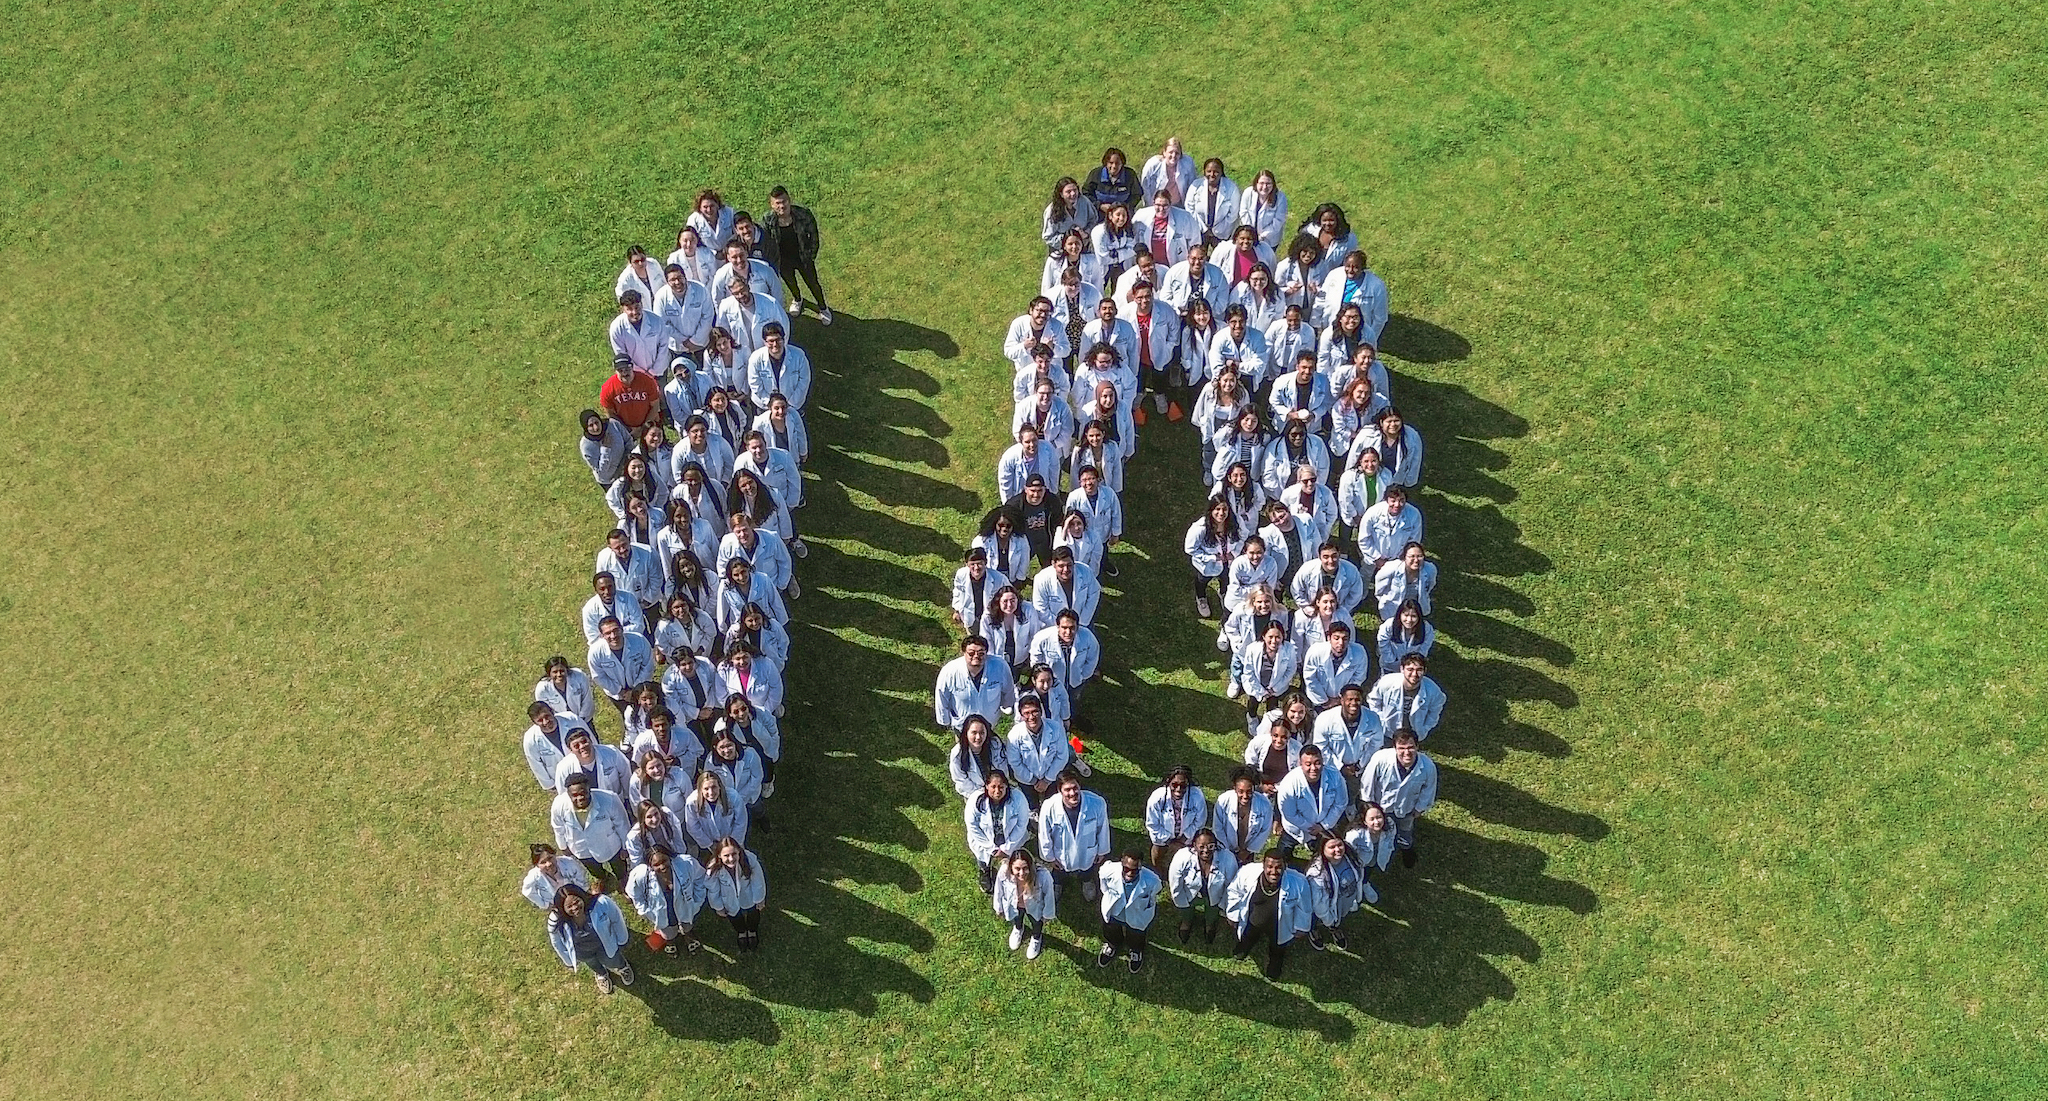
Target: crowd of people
697	445
1170	292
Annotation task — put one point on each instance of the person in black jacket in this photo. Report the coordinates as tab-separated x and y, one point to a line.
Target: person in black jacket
790	238
1112	183
1033	514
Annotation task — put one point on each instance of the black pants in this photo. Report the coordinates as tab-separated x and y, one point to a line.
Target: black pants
746	921
1276	952
614	869
1202	585
790	267
1121	937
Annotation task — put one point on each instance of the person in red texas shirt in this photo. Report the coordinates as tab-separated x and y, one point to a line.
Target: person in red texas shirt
630	395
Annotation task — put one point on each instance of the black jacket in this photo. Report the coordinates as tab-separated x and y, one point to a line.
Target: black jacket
806	237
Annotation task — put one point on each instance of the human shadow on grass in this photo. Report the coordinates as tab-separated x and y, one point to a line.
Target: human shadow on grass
686	1005
1419	341
1491	800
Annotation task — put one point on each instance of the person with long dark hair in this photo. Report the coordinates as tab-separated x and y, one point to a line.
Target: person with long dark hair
667	888
1068	212
737	890
1197	879
1211	543
1025	896
976	754
998	821
589	931
1403	633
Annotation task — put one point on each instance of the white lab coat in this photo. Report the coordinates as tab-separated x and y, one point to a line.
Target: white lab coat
1185	878
1105	511
1012	908
1225	260
1074	845
1243	628
1087	546
602	837
1371	296
1224	219
544	753
716	460
1009	639
708	824
1385	700
1400	796
1037	758
1268	217
793	437
732	603
1303	806
769	557
1260	314
1339	888
1297	900
1168	819
1112	249
1134	904
1393	649
1347	744
964	592
1313	399
625	608
1014	813
1401	462
1161	334
644	344
578	699
606	455
729	893
1087	651
1118	333
540	890
1278	465
1258	821
763	688
1284	343
677	905
1177	289
1392	585
1050	598
609	770
1017	343
1265	684
1261	744
1205	551
1348	584
669	834
760	276
1090	266
605	919
744	322
957	694
1324	674
1108	460
793	382
687	315
969	777
712	233
1246	575
698	267
1173	176
1381	534
1182	231
1356	493
1054	424
1015	468
617	674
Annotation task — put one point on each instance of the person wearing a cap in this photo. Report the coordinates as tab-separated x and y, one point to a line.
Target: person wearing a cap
1271	904
1175	811
1066	584
1032	514
667	889
604	445
546	741
1130	900
1401	779
640	336
975	683
1407	698
1073	833
547	872
974	589
590	931
631	395
591	825
1073	654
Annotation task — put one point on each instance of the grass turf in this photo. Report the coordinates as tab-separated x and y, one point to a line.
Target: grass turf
1718	321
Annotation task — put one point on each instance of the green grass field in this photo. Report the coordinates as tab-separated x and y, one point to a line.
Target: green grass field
1721	322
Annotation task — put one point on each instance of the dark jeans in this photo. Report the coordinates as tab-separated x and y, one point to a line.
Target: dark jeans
1203	584
1276	952
790	267
602	964
746	921
614	869
1120	937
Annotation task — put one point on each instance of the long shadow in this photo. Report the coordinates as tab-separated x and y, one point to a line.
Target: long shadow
1418	341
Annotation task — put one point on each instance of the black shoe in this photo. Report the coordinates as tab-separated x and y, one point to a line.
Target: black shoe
1407	858
1185	931
1237	955
1315	939
1341	940
1137	961
1103	957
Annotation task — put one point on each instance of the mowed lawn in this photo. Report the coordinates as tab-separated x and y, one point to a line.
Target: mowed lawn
1721	322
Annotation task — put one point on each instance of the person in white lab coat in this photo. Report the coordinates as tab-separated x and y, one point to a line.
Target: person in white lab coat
1065	584
1192	278
640	274
777	367
1403	633
711	814
746	315
1030	329
1046	411
1211	542
712	219
1073	834
1025	895
1130	900
1354	283
685	307
1212	199
1241	255
1263	206
591	825
740	265
1072	253
784	426
737	890
604	446
546	741
1266	671
972	684
998	821
1399	446
566	689
1073	654
1023	459
1197	879
1116	246
1412	576
1242	818
1338	876
974	588
1069	212
1406	698
608	768
590	931
698	260
1386	529
1296	274
1271	904
1264	308
1331	664
1373	842
668	890
640	335
976	754
1170	171
1402	779
1332	233
1009	624
548	871
1165	230
1301	396
619	661
1037	749
1329	571
1348	733
606	602
1255	568
1311	800
1173	812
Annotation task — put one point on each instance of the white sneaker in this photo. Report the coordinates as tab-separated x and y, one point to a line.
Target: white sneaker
1202	606
604	984
1232	690
1016	937
1159	403
1036	946
1370	894
824	316
1082	766
795	590
767	789
625	974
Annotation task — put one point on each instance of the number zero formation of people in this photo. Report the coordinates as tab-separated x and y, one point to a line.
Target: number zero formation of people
1160	296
